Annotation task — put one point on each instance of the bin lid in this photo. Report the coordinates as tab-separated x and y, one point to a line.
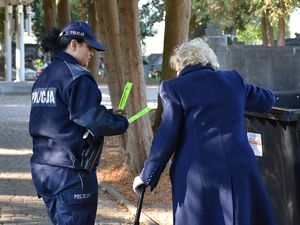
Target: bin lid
287	99
278	113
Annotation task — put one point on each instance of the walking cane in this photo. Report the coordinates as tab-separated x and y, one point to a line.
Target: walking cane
140	203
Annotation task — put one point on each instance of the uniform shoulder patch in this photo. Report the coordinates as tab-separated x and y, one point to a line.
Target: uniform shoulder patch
43	97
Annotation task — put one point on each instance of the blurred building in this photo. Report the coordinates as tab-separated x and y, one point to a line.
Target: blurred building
17	21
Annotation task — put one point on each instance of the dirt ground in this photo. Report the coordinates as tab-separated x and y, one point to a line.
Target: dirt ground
117	175
113	172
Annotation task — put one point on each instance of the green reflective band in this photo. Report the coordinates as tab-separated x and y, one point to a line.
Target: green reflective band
125	95
139	114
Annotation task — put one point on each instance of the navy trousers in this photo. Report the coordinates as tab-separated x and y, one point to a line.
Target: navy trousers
70	195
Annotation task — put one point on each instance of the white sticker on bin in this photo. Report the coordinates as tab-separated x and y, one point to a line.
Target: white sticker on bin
254	140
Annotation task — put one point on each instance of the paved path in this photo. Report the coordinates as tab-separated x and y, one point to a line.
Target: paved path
18	201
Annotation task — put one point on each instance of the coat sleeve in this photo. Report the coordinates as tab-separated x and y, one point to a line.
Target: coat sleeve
86	111
257	99
164	142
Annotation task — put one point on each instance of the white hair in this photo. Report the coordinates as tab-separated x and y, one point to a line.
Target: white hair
195	51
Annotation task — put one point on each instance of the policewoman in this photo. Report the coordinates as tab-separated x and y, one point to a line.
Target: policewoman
215	179
65	105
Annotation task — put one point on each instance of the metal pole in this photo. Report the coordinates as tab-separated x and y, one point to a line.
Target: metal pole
29	15
8	41
20	51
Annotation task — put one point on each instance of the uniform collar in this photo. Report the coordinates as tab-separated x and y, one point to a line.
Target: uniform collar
192	68
65	57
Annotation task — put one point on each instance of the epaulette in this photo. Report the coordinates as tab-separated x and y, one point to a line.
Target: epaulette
77	70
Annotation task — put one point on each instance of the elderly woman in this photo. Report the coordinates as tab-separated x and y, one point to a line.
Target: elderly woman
215	179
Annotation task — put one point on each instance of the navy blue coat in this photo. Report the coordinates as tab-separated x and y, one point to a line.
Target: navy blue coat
214	175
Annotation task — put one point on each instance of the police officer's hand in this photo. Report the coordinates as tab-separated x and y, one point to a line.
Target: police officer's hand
120	111
137	182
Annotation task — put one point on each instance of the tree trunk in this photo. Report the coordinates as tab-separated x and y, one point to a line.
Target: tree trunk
64	12
84	12
264	30
270	33
178	13
139	135
50	14
192	27
270	30
268	37
112	54
110	36
281	31
93	21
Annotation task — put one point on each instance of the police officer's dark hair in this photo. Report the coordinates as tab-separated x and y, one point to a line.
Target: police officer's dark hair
56	41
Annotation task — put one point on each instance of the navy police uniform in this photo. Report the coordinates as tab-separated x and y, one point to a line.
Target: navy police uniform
65	104
215	179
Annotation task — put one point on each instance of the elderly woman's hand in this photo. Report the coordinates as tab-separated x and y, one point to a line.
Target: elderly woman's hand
137	183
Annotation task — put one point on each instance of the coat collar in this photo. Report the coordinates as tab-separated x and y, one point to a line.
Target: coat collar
65	57
192	68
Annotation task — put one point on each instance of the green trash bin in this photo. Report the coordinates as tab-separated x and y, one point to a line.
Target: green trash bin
274	137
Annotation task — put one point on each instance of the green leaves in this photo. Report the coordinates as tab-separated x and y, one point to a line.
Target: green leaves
150	13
